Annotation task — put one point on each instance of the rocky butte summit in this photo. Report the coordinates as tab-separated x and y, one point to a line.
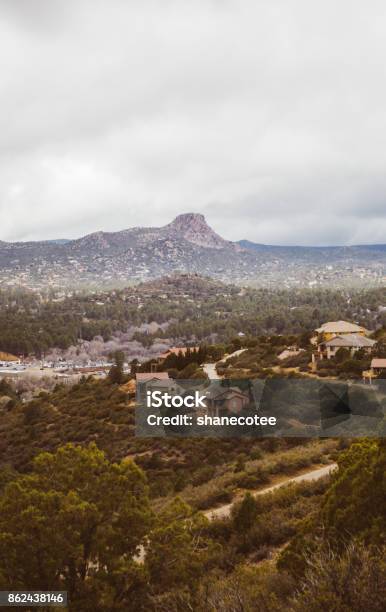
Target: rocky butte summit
194	228
189	245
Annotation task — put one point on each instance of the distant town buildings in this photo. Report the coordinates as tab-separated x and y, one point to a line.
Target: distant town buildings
7	359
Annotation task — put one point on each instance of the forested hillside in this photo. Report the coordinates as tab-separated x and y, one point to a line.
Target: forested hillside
123	532
127	524
191	308
101	412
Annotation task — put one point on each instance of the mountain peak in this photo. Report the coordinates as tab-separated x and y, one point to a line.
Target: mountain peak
194	228
187	219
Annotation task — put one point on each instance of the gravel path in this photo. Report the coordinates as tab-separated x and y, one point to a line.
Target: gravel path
224	511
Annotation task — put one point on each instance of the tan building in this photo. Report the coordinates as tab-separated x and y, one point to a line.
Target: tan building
145	377
351	342
7	358
329	330
334	335
378	365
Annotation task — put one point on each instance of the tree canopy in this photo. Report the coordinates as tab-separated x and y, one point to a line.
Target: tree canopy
75	523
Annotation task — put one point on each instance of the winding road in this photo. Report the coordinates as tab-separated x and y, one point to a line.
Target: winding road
224	511
210	371
210	368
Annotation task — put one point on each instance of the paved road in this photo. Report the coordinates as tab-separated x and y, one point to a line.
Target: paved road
224	511
210	371
210	368
234	354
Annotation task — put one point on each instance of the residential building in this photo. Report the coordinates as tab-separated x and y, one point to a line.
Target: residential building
334	335
352	342
7	359
329	330
221	401
378	365
144	379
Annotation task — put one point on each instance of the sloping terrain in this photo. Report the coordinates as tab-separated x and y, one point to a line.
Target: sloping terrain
187	244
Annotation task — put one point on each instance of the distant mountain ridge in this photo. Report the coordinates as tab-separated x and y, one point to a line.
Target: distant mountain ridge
188	245
256	246
191	227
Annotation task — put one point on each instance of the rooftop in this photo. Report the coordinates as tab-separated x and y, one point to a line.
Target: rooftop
146	376
8	357
350	341
215	392
378	363
339	327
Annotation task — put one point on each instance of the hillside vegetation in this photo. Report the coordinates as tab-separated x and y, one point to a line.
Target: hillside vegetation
78	522
194	308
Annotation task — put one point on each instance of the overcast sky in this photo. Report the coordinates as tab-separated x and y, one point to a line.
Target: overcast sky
267	116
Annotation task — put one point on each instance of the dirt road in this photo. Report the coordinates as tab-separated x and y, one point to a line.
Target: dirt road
224	511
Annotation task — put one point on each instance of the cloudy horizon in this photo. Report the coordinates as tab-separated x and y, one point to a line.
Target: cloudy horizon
268	118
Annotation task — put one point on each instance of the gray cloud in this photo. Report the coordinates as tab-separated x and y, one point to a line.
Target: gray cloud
267	117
